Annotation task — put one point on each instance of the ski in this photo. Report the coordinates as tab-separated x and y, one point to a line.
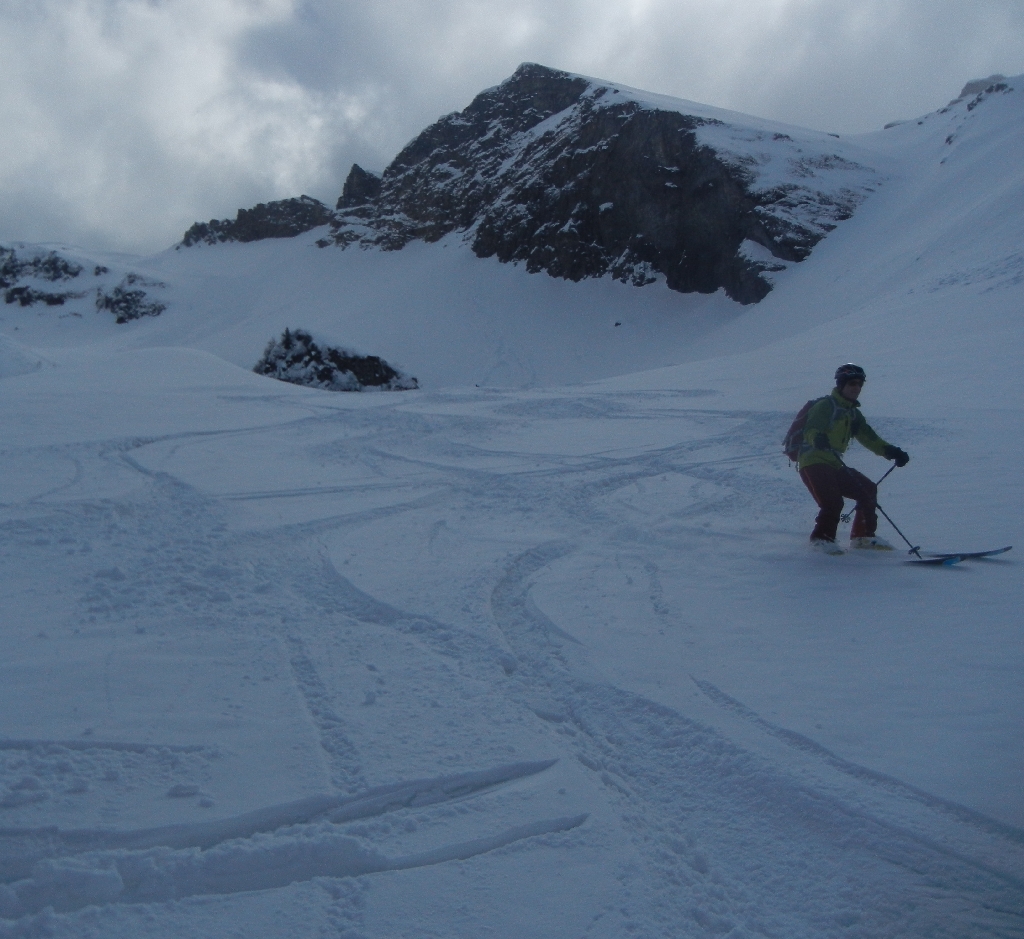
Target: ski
955	558
968	555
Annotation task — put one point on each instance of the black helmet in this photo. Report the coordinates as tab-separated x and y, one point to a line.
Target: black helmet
847	373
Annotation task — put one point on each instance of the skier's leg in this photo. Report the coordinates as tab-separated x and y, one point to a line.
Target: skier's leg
857	486
824	485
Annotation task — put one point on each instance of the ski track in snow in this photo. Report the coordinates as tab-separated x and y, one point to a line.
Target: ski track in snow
663	765
720	839
74	869
538	663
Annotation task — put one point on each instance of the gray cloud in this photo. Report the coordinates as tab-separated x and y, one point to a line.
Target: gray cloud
126	120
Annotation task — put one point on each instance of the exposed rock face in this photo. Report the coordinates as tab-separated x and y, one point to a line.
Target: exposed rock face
283	219
608	187
51	267
978	85
48	268
298	359
127	300
582	179
360	189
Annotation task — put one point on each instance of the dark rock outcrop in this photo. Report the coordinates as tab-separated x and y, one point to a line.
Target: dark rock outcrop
361	188
284	219
28	296
128	301
978	85
49	268
298	359
582	179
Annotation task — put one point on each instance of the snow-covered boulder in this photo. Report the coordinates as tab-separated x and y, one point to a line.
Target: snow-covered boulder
297	358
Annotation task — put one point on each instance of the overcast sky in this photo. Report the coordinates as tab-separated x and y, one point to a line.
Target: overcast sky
123	121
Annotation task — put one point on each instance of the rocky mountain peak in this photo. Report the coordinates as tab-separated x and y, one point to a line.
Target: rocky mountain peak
580	178
361	188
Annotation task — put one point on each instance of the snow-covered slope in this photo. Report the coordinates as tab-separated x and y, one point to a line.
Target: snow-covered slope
925	281
536	658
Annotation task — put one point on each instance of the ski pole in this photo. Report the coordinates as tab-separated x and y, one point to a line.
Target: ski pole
887	472
914	549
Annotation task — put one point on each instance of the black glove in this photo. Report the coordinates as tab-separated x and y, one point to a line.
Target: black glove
899	456
821	442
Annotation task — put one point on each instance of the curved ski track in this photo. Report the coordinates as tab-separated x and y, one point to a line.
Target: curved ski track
722	840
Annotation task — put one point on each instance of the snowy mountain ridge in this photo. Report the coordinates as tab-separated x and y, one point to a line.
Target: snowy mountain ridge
580	178
451	319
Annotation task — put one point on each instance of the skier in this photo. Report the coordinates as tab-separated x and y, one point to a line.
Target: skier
831	422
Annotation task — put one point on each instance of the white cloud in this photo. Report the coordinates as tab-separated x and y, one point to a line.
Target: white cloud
126	120
124	116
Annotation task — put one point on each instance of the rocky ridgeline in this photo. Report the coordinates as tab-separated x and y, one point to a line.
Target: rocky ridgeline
298	359
283	219
582	179
27	281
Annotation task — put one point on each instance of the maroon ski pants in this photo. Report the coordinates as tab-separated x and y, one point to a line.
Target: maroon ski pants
830	486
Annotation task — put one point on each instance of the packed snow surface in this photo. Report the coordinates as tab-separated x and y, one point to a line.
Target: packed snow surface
538	649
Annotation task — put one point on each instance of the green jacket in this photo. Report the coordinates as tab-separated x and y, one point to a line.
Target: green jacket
839	420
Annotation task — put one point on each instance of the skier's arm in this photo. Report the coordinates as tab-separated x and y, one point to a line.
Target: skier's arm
868	438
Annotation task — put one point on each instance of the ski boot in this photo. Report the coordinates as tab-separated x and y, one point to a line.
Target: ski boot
826	546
